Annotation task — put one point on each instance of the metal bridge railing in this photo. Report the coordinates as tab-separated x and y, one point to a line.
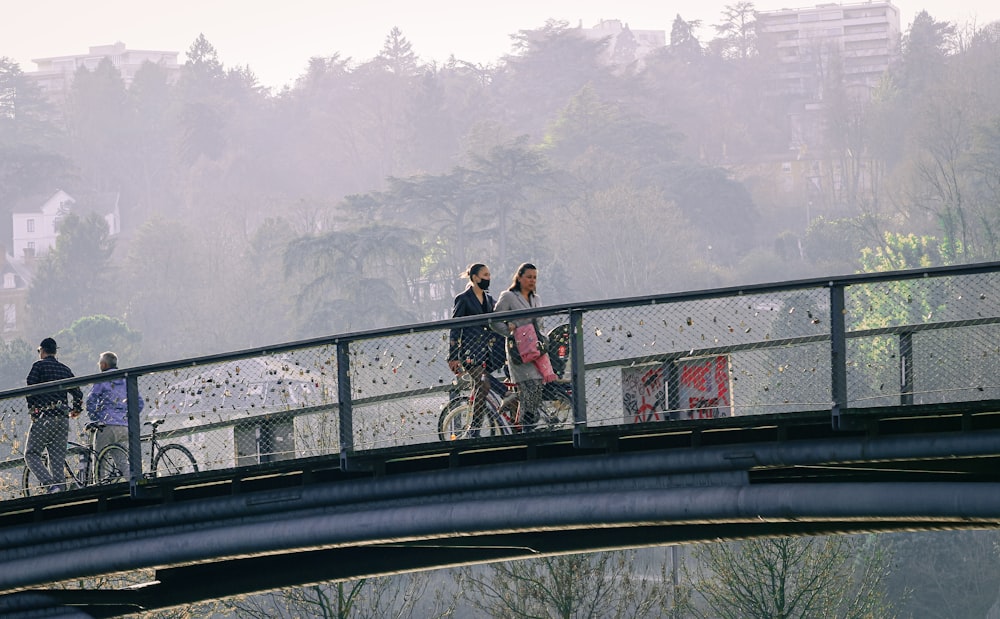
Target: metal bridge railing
888	339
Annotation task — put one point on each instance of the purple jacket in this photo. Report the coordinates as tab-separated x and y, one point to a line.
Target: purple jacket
107	403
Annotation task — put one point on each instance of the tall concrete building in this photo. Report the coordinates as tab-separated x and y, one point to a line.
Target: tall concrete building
805	46
816	58
55	74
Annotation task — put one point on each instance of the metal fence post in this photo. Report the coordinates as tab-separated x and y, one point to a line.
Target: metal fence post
578	378
344	404
135	476
906	368
838	354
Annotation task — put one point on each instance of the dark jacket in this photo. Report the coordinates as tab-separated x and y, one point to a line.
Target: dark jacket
471	344
55	402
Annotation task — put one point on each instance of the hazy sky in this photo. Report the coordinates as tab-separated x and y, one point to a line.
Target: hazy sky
276	38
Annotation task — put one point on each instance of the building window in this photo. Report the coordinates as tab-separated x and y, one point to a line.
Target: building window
31	225
8	280
31	245
9	317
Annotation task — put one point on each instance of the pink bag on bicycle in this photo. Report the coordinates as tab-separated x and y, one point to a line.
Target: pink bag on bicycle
526	338
544	366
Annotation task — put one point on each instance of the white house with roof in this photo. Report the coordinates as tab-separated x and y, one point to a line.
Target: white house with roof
35	222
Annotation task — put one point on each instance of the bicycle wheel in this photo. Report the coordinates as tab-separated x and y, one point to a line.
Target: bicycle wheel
456	420
112	464
556	411
174	460
73	479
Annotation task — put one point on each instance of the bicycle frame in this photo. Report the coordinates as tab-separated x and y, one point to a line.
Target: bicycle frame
501	411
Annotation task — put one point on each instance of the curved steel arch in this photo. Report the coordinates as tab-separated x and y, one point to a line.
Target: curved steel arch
406	537
551	509
411	521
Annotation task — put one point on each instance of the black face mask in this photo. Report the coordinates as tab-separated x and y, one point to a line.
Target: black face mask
484	284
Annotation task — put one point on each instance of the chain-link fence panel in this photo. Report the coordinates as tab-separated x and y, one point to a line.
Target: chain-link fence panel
241	412
14	424
923	341
399	384
737	355
873	371
960	364
402	385
55	450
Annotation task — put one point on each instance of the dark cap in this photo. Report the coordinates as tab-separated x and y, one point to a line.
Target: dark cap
48	345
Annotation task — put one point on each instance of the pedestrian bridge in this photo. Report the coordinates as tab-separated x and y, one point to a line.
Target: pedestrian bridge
859	403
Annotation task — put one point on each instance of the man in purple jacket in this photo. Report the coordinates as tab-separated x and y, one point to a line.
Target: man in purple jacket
108	404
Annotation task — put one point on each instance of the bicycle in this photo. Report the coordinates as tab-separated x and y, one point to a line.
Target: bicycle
500	416
90	465
170	459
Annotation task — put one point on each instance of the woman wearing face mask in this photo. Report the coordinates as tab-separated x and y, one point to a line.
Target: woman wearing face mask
521	295
469	348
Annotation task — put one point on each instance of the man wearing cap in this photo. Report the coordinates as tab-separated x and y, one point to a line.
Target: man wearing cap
50	414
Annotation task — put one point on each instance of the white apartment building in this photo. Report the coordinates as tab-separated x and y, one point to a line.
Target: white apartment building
802	43
55	74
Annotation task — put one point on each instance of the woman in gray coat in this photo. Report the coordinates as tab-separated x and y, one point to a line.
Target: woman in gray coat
521	295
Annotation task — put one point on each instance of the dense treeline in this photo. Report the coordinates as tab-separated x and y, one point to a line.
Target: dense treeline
354	198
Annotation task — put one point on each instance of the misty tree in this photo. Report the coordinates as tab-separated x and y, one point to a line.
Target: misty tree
267	309
147	187
625	48
30	160
907	251
604	145
438	118
82	342
835	245
682	93
945	573
641	231
926	46
166	290
389	81
736	33
355	279
98	125
604	585
717	207
985	166
393	597
74	279
15	356
397	54
503	179
548	67
202	119
840	577
684	44
323	151
447	210
935	179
